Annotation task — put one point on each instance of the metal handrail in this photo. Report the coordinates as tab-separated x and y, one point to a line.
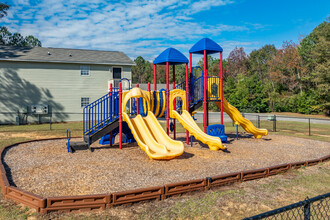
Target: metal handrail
101	112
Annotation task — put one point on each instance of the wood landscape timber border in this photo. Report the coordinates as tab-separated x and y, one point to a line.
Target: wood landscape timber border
101	201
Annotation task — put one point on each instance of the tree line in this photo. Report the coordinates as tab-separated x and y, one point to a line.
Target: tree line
15	39
293	78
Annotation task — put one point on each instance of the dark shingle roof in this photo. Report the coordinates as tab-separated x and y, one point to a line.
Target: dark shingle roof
62	55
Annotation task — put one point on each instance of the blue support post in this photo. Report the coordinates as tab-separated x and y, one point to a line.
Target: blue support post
237	132
191	140
68	137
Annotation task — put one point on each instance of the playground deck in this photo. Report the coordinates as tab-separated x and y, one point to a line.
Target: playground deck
45	168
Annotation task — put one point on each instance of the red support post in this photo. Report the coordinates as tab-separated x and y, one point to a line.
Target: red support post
221	87
137	101
187	97
120	117
207	88
155	77
205	95
110	112
190	65
149	90
174	101
167	99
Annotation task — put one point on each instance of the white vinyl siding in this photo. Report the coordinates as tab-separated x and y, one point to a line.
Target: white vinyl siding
60	86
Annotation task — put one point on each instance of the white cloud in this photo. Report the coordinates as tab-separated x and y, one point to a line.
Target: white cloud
205	5
136	27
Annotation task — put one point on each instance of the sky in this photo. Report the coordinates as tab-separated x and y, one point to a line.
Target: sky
146	28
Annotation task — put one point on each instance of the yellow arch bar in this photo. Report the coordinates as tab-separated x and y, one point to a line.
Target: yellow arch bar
135	93
177	93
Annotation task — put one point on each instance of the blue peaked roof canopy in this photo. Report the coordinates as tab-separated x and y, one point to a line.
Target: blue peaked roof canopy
172	56
205	44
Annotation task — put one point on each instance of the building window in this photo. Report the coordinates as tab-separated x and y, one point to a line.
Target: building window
84	101
116	72
84	70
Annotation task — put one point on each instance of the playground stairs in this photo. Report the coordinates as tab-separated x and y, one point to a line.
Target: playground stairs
91	138
195	106
99	118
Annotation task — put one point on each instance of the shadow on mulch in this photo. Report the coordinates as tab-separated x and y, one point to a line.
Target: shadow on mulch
7	168
186	155
240	136
128	145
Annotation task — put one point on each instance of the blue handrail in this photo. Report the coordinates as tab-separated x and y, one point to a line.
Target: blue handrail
101	112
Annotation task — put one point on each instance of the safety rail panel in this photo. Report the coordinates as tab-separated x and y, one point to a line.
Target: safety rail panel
197	91
101	112
178	101
213	88
181	86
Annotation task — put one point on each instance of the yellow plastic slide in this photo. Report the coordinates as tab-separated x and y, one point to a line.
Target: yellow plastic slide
189	124
236	116
152	138
147	131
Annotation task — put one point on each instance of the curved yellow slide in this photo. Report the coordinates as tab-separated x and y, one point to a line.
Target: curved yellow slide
152	138
236	116
189	124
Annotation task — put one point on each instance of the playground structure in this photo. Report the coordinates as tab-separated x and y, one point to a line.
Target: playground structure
105	117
